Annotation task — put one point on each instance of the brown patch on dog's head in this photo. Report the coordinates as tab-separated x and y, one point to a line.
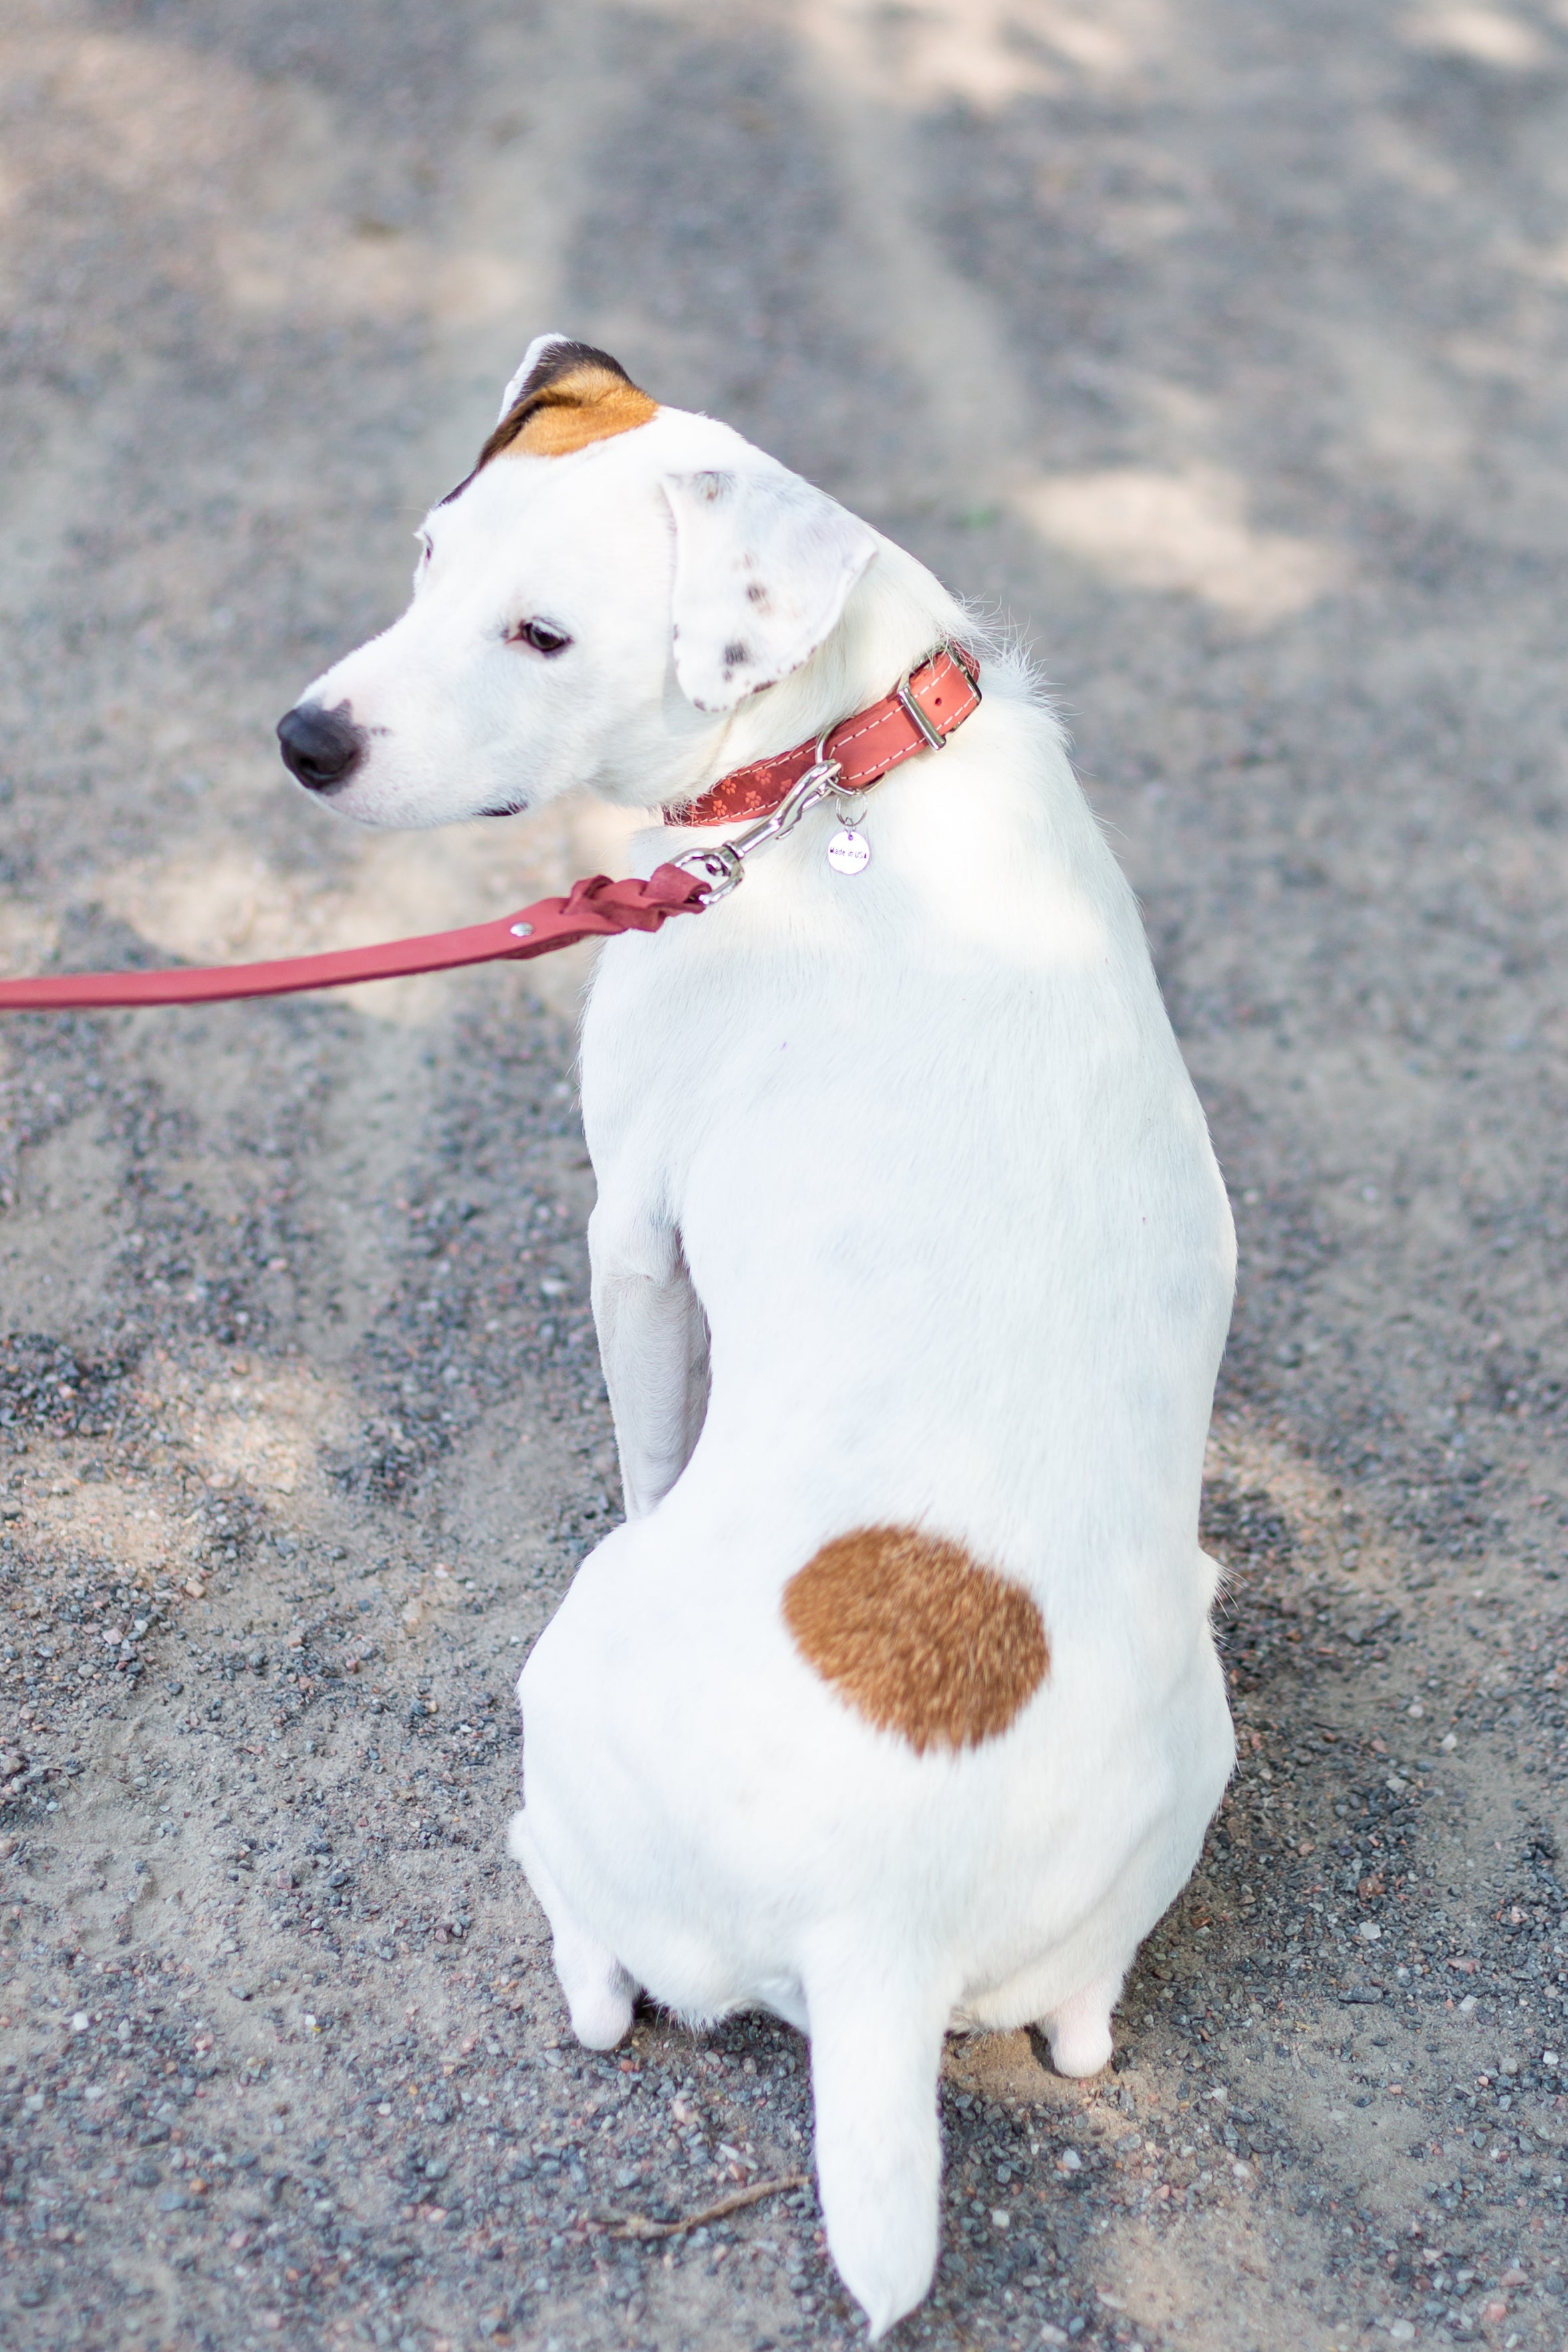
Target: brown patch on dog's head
573	395
917	1637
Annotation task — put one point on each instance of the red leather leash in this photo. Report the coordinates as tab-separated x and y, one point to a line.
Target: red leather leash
918	716
592	910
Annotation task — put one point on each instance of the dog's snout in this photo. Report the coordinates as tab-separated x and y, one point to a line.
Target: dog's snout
322	748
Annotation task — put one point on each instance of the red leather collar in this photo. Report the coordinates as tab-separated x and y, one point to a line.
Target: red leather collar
944	690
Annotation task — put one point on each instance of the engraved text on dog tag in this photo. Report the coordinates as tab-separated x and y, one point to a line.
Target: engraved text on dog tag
848	852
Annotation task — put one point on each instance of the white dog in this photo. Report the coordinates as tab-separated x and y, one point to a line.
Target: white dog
894	1705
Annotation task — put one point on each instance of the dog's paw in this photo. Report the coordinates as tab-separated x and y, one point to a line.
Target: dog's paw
1082	2051
601	2011
1079	2033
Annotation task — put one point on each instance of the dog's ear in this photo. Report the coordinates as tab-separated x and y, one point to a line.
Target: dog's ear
532	359
564	395
763	563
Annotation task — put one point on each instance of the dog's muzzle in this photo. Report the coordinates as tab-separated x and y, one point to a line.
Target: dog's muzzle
320	748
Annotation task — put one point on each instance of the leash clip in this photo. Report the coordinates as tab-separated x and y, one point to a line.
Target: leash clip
720	867
723	865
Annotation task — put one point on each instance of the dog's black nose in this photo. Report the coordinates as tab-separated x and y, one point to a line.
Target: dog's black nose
320	747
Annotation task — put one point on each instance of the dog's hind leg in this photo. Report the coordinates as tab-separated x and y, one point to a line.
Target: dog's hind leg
1080	2031
599	1993
875	2050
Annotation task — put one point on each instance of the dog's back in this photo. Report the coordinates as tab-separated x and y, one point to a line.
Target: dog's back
945	1200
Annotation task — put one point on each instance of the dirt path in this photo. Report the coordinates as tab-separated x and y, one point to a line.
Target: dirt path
1223	344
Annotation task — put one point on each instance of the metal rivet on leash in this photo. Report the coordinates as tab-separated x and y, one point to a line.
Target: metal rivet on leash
522	930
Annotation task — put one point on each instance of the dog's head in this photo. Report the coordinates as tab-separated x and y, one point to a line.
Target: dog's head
610	582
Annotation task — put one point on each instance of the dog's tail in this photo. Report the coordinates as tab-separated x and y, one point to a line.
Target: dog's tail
876	2050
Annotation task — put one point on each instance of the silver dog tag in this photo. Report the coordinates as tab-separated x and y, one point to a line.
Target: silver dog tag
848	852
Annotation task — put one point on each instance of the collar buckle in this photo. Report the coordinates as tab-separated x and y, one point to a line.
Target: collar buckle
935	740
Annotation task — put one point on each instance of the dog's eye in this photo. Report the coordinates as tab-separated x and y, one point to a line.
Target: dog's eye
542	636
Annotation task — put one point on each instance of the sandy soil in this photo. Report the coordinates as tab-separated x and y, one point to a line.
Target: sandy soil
1223	344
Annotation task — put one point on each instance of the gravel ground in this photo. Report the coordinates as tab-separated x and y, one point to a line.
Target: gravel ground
1223	345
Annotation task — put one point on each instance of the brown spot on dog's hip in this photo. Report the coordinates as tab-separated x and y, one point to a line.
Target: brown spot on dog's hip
917	1636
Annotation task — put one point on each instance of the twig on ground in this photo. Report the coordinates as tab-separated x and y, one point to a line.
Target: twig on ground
638	2225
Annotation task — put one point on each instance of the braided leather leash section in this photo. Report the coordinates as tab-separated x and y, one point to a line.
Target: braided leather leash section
595	908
